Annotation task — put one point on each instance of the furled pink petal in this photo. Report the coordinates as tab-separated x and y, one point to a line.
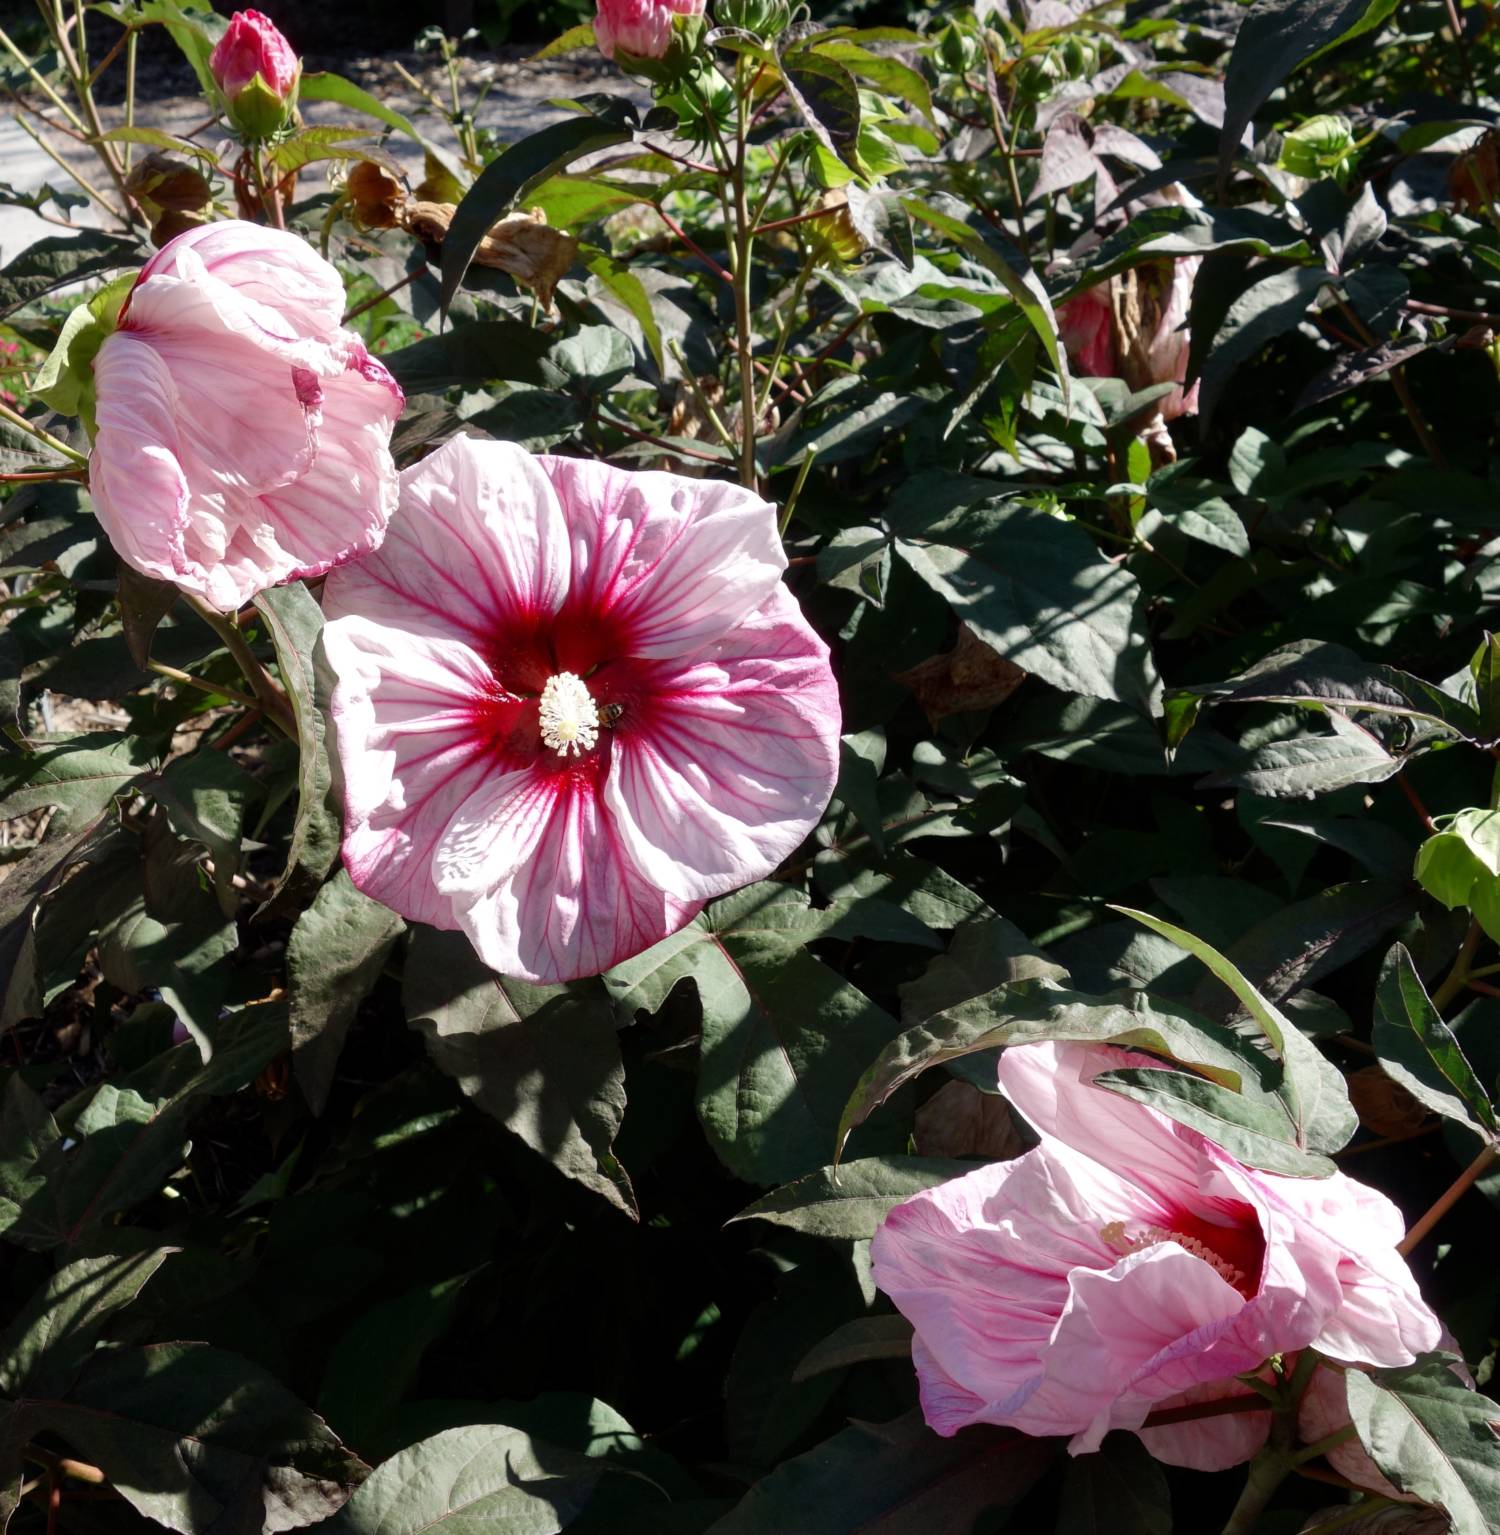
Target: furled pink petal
252	45
243	438
340	507
1086	326
1213	1443
137	483
619	707
405	707
677	562
271	272
733	760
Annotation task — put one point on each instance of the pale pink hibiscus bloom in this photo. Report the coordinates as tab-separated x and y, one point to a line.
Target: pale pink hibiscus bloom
242	434
573	704
1128	1264
639	27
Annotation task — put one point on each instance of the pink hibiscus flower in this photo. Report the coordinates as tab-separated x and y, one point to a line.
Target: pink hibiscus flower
640	27
573	704
243	435
1128	1264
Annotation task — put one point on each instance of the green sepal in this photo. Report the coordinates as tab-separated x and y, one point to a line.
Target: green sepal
258	113
66	379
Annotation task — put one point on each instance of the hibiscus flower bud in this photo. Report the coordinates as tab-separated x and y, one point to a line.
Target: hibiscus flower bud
1322	146
835	240
639	29
257	71
765	18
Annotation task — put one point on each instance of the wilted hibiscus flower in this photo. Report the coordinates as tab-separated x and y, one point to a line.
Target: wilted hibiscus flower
242	435
639	27
1128	1264
573	704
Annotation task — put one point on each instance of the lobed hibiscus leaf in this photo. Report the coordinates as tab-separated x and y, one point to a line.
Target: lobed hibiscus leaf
472	1481
334	957
197	1438
892	1479
504	181
50	1338
1119	1489
1035	590
1029	1011
1417	1048
848	1203
295	622
783	1034
1311	1088
543	1060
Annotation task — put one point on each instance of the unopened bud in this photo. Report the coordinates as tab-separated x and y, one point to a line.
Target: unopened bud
1322	146
257	71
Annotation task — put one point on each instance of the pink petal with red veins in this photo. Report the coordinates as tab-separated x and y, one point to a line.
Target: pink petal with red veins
495	831
480	540
576	906
734	759
677	562
408	768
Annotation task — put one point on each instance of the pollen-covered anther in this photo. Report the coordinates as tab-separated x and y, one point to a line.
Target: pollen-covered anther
1117	1239
569	717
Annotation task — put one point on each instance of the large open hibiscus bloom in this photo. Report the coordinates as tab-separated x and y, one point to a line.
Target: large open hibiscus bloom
573	704
1128	1263
243	435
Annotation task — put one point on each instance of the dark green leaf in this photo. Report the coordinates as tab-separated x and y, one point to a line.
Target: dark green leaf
477	353
58	260
544	1061
199	1439
483	1480
48	1341
849	1202
1419	1050
505	180
295	622
892	1479
1273	39
1118	1490
1434	1437
784	1037
334	957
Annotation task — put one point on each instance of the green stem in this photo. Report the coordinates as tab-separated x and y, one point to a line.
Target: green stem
740	247
1458	976
271	696
791	502
788	321
1268	1471
130	43
188	680
46	438
39	80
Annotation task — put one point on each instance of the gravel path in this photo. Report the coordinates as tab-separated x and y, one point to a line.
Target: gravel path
517	103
